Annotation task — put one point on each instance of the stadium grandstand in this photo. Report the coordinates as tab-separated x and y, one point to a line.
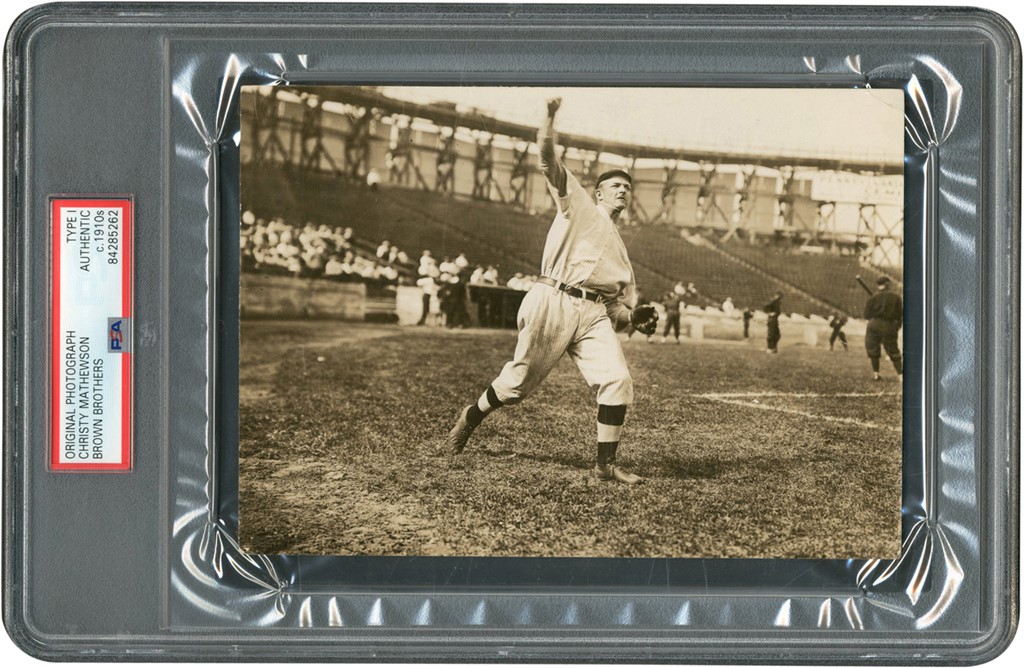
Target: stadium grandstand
423	175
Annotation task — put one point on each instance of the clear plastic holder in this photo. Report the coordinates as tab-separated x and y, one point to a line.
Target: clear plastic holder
145	565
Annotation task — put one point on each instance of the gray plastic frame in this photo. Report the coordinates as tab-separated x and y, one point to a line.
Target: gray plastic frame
147	569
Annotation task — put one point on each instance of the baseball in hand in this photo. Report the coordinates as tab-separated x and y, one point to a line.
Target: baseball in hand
553	105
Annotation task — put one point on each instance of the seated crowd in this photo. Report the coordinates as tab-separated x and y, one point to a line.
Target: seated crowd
319	251
276	247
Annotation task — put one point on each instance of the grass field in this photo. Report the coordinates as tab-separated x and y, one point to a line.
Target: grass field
744	454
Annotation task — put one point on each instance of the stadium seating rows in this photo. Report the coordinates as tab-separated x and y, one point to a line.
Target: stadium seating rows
829	277
513	241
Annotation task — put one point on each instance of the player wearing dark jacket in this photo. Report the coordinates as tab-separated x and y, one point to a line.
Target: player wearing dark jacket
672	303
884	313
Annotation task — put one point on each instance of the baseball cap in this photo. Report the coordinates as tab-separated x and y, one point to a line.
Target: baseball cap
613	172
883	280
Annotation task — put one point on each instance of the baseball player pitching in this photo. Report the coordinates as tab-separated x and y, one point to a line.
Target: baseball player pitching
586	294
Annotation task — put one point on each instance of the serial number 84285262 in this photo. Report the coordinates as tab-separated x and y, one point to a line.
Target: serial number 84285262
106	229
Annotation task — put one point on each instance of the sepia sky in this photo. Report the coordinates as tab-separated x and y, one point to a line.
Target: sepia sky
815	123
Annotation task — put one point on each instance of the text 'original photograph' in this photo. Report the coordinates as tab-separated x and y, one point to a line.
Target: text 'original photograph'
571	322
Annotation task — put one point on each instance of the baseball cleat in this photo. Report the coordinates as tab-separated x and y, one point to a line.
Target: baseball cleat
611	472
459	435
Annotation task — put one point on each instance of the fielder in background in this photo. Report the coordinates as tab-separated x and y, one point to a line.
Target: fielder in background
748	315
774	310
837	322
884	313
586	293
673	303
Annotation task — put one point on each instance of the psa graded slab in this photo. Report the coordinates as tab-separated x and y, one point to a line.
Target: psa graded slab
473	333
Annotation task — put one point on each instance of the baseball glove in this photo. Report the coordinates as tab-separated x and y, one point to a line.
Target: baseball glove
644	319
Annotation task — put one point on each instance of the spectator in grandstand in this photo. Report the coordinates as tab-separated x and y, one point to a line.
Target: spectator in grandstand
516	282
365	268
429	287
837	322
477	277
333	268
373	179
448	267
295	267
383	249
461	262
748	315
727	306
428	265
884	313
314	261
306	234
491	275
774	310
287	248
679	288
673	304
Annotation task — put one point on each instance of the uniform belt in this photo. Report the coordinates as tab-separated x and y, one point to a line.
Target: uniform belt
572	291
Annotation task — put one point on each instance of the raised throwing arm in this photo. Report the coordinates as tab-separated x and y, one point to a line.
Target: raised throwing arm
549	162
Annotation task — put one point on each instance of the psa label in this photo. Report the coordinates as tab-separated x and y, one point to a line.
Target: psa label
91	334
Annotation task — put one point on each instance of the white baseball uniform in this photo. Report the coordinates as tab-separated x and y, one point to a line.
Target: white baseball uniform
584	250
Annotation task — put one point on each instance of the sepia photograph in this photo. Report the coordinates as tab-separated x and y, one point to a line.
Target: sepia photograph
571	322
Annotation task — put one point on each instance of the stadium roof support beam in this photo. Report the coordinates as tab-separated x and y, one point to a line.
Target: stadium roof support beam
357	143
483	167
742	201
519	178
784	198
447	155
266	142
311	144
882	243
444	115
667	214
707	197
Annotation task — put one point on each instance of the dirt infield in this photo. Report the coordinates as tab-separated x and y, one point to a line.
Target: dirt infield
744	454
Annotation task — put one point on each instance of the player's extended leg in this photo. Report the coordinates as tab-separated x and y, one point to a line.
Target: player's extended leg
598	355
544	334
774	335
470	419
873	345
609	431
842	340
892	349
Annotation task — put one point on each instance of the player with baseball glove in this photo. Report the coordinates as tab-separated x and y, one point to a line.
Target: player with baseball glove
586	293
644	319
